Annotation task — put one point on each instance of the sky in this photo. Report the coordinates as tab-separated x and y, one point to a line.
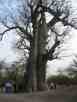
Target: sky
9	55
53	67
9	39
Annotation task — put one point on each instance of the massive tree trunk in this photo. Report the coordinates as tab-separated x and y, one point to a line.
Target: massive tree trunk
36	69
33	55
28	75
41	73
42	60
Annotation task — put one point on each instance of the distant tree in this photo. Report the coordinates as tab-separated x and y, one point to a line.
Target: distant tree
59	79
72	69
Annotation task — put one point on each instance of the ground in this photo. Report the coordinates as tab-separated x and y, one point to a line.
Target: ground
67	94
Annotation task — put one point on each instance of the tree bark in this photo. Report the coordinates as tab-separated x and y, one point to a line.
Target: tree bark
36	69
41	73
42	60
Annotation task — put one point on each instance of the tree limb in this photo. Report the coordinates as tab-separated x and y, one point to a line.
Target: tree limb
57	17
8	29
28	36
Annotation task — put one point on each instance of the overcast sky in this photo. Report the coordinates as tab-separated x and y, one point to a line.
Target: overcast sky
6	45
54	66
9	55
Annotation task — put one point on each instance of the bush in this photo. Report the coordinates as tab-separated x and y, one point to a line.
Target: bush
59	79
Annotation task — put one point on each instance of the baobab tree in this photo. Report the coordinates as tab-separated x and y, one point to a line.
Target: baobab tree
32	27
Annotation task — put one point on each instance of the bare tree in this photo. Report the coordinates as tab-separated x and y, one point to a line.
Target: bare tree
31	26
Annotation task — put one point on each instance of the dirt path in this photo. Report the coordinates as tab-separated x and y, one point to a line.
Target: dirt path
58	95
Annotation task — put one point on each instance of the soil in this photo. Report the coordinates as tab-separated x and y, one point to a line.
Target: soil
65	94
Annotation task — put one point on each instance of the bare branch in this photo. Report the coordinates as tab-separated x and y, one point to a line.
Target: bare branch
49	54
28	36
7	30
57	17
